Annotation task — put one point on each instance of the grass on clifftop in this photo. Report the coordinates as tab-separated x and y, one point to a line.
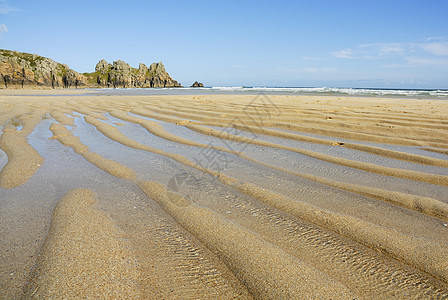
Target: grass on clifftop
32	59
92	77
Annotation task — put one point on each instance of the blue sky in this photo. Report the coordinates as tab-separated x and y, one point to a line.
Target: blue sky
401	44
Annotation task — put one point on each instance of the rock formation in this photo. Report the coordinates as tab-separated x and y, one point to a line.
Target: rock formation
22	69
19	69
197	84
120	74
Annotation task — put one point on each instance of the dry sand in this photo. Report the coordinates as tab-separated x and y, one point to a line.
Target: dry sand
226	196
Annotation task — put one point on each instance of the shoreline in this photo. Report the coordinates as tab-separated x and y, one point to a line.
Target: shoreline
208	91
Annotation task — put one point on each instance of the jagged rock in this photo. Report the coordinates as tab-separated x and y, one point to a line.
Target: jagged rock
102	66
71	78
142	69
120	74
197	84
20	69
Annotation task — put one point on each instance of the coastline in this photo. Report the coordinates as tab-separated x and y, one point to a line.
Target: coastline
412	94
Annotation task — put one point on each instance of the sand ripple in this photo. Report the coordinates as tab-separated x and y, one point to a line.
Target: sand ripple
201	231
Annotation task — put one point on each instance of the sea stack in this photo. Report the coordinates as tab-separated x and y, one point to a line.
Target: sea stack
197	84
121	74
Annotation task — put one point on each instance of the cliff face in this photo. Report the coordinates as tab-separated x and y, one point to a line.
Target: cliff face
120	74
22	69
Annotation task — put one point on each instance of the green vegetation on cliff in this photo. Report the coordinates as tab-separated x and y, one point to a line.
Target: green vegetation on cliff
19	69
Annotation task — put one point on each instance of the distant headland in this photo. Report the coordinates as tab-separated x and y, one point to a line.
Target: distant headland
24	70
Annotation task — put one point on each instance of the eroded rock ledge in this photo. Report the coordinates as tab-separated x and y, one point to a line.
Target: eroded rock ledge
19	70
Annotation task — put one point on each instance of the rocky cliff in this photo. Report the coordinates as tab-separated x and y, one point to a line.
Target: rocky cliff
22	70
120	74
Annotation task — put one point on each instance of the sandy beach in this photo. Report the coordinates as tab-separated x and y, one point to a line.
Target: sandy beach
222	196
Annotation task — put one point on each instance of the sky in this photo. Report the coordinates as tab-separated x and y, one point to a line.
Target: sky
384	44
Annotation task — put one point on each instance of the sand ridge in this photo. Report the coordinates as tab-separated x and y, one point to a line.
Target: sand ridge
266	270
323	127
426	254
65	137
423	204
408	174
376	261
23	160
85	255
370	234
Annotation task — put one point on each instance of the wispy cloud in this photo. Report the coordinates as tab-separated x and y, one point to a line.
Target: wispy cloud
439	49
390	49
5	8
371	51
346	53
3	29
416	62
419	61
319	70
312	58
413	54
310	70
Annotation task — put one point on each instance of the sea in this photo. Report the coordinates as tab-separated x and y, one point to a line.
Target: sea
327	91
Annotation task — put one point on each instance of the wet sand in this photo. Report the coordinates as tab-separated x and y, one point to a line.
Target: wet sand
222	196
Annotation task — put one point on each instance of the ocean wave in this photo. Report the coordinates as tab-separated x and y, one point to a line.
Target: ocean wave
337	91
330	91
